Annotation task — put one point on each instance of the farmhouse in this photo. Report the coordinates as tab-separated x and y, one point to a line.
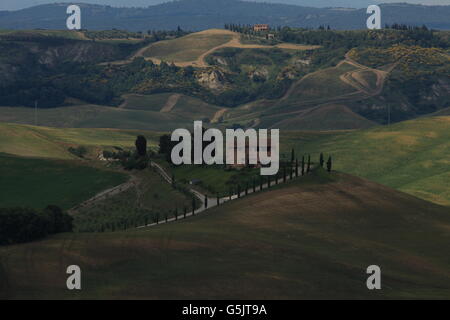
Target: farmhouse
242	147
261	27
241	157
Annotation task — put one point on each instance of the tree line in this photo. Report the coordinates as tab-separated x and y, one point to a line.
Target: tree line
18	225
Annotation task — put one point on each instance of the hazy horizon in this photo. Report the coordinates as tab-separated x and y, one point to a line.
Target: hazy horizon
21	4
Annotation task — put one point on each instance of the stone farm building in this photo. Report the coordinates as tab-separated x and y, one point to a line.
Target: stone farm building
261	27
242	160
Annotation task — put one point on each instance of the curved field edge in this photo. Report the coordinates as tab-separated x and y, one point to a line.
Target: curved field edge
412	156
37	183
313	238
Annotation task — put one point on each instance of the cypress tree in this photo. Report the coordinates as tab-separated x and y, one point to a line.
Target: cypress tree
296	168
218	199
254	185
284	173
303	165
238	191
321	160
141	146
329	164
309	164
206	201
292	155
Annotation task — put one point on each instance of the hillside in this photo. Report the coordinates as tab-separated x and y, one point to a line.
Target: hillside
190	47
311	239
205	14
327	117
44	142
234	76
37	183
158	112
410	156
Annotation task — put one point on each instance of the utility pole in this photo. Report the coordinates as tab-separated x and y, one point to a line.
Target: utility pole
35	112
389	114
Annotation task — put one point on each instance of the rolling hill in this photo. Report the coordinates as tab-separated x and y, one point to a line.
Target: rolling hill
190	47
157	112
324	117
410	156
205	14
224	77
313	238
37	183
45	142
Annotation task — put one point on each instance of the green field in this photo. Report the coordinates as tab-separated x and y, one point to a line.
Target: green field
322	85
188	48
185	107
31	141
214	179
150	197
141	112
411	156
324	117
67	34
443	112
154	102
36	183
369	78
312	239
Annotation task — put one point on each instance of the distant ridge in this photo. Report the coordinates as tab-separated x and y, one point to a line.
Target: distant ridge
205	14
16	5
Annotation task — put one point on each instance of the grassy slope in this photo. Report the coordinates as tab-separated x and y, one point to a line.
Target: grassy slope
443	112
68	34
319	101
411	156
327	117
138	112
311	239
214	179
37	183
150	195
188	48
322	85
186	107
31	141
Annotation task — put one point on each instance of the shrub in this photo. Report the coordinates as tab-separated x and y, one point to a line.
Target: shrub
19	225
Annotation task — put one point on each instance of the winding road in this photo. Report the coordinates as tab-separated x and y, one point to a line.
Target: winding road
212	202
